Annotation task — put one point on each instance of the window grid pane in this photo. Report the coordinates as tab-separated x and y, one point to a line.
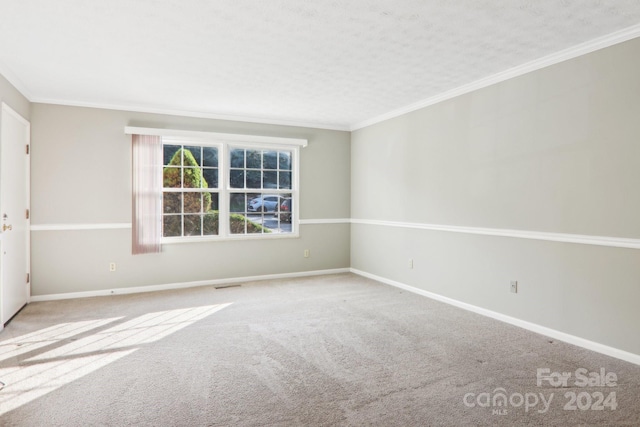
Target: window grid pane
258	200
190	213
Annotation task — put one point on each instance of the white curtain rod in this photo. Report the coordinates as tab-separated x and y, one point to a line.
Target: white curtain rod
229	137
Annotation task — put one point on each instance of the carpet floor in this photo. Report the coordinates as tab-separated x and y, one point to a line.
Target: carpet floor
337	350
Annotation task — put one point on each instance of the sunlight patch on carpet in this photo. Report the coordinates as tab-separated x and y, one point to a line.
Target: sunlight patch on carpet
35	364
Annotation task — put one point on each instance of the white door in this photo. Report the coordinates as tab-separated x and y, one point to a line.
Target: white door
14	205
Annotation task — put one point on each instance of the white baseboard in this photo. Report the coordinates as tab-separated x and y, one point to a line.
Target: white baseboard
552	333
182	285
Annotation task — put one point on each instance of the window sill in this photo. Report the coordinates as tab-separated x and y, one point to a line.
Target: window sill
276	236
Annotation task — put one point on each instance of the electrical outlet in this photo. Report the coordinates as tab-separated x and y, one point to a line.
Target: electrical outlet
306	253
112	266
410	262
514	286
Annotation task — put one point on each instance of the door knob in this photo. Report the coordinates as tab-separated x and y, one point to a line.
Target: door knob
6	227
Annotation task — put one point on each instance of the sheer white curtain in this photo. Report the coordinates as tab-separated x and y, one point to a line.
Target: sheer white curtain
147	194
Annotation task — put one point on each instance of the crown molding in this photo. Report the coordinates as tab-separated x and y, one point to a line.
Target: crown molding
546	61
196	114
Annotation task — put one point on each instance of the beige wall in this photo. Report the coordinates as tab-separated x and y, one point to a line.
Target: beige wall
551	151
14	99
556	150
81	174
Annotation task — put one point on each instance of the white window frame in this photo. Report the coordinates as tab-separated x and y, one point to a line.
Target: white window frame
225	142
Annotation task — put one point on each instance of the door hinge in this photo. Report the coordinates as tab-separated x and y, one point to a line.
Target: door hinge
27	148
27	213
28	277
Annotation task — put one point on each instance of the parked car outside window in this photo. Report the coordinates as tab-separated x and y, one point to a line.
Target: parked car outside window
264	204
285	210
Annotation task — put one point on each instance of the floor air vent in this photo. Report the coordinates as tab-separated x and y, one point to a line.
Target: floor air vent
227	286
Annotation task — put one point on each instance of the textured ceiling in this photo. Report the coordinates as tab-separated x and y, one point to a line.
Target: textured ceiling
334	64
